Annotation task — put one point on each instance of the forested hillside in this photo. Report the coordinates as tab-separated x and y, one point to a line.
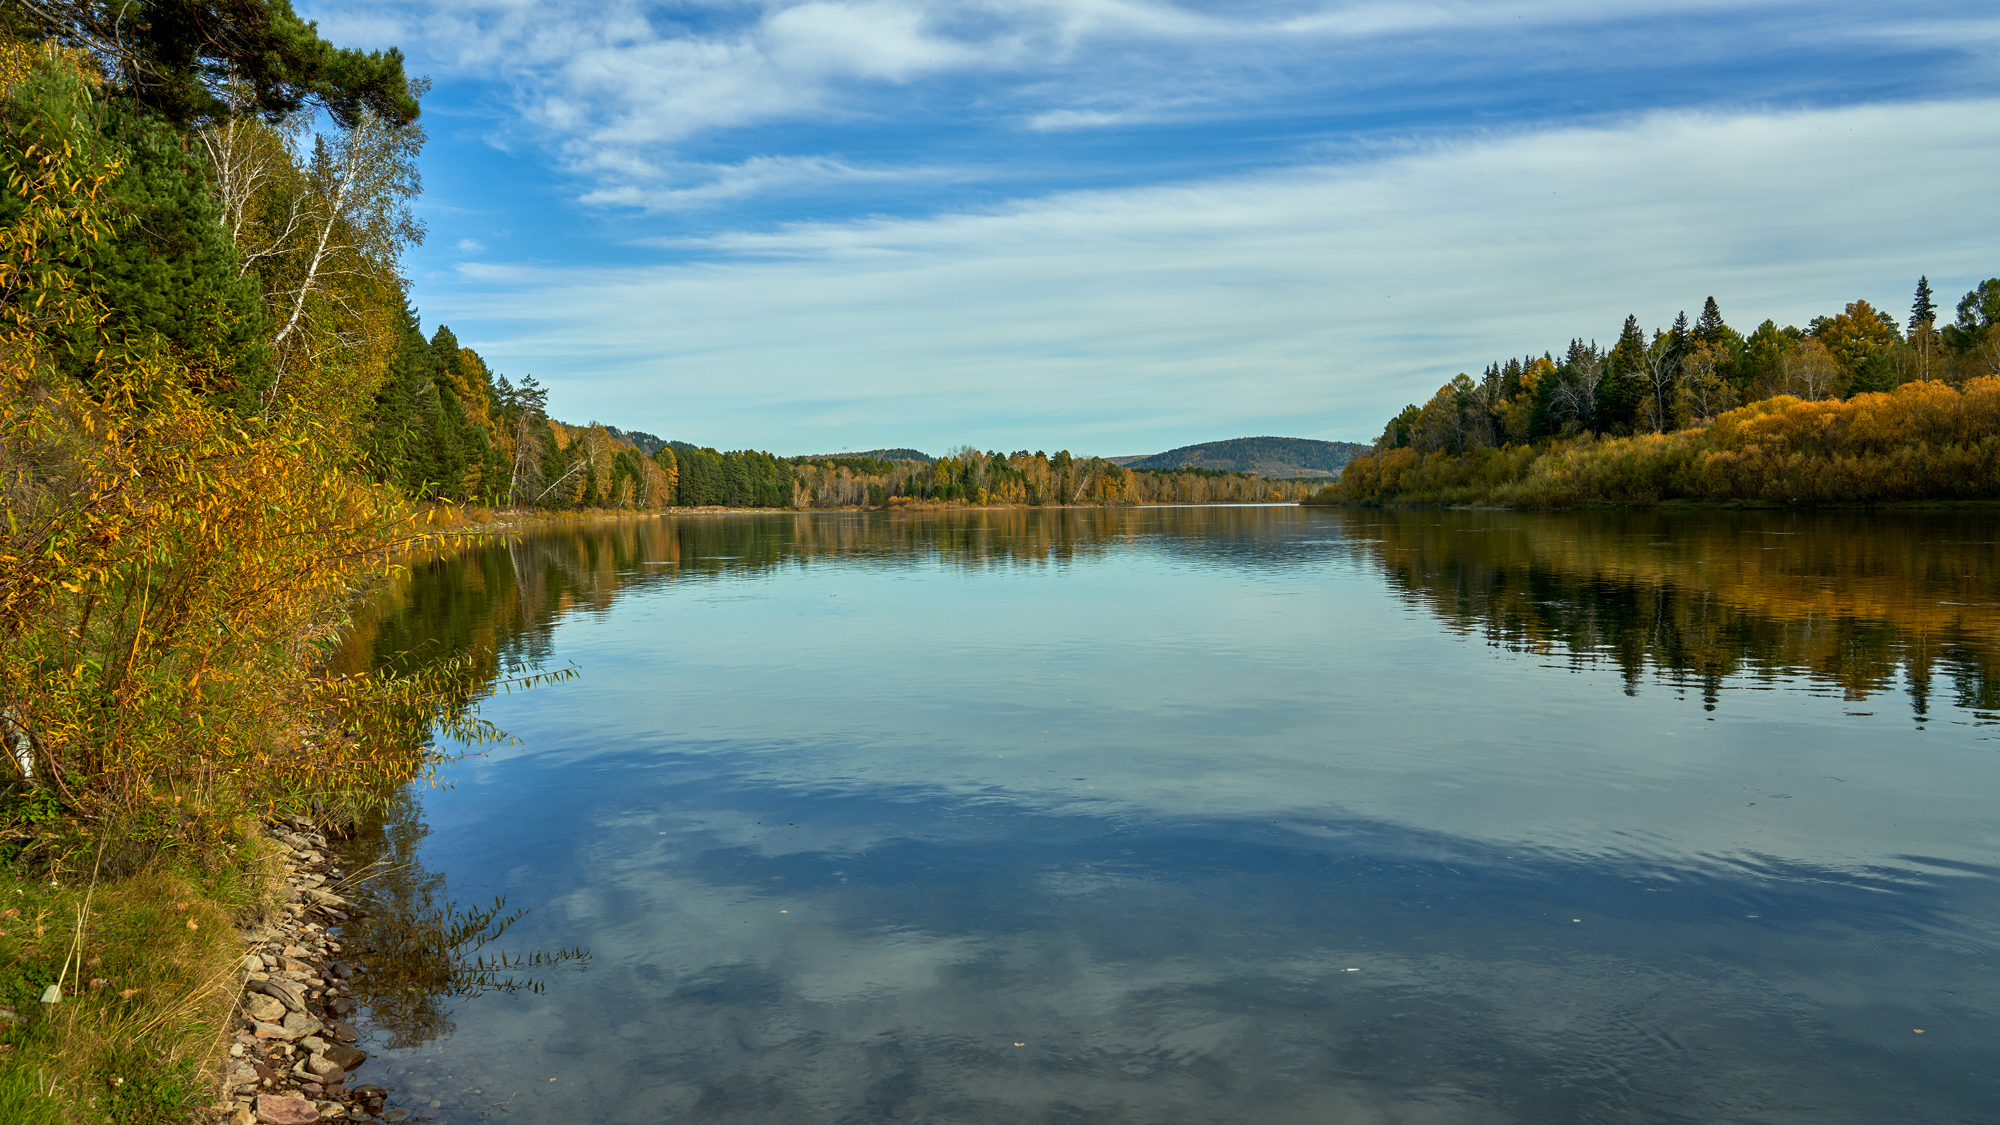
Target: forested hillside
899	454
1851	408
1264	456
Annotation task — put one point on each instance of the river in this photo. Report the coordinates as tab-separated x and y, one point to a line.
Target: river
1210	814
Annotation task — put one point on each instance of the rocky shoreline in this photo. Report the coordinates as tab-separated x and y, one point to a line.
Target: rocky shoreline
292	1056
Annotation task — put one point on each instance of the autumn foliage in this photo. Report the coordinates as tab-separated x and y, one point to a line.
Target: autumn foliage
173	569
1920	441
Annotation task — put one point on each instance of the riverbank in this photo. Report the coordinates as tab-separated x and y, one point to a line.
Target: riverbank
116	992
467	520
1921	443
209	991
291	1054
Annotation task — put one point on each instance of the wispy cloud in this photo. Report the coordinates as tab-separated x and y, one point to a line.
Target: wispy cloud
714	183
620	90
1311	299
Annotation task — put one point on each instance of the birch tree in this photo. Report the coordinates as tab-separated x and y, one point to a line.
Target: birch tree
324	228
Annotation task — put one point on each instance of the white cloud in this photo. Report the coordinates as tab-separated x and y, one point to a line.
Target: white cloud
471	246
617	89
1310	301
714	183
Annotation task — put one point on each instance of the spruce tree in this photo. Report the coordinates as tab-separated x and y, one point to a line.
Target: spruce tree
467	463
1709	329
1622	384
398	439
1678	338
1923	310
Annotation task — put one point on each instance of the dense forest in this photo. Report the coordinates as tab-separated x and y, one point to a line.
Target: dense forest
1853	407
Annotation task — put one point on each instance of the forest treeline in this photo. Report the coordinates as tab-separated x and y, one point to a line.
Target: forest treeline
964	476
1853	408
444	426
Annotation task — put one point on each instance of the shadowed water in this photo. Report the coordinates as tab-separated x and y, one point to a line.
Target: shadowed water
1219	815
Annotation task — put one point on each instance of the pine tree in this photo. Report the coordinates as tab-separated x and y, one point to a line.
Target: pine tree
166	271
168	54
1978	311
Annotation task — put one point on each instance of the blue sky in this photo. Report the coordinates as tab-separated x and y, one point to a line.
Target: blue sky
1116	227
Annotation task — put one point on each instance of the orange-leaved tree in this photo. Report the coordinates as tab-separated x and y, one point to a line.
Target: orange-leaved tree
172	571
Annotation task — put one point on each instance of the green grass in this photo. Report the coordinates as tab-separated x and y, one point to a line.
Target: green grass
139	1034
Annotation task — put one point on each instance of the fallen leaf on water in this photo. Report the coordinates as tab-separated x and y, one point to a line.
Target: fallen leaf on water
1020	1044
1918	1030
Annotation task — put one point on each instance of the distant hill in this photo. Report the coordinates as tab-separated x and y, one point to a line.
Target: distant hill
877	454
1264	456
648	444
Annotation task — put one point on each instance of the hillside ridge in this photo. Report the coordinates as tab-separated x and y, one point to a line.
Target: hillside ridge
1264	456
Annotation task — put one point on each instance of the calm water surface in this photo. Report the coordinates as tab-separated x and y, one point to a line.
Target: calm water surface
1218	815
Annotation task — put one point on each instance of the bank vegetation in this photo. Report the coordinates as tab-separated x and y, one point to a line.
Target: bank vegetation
1852	410
201	313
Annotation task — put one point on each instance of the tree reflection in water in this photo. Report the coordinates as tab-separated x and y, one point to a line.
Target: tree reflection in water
412	949
1859	602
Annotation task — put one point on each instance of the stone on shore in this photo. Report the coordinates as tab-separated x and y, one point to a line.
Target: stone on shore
262	1008
325	1069
284	1109
284	991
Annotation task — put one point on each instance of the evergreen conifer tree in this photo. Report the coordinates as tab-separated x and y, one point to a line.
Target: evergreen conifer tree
1923	310
172	57
167	271
398	441
467	463
1622	384
1709	329
1678	338
1978	311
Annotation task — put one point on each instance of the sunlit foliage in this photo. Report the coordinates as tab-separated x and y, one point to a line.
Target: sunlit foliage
1920	441
1849	410
180	546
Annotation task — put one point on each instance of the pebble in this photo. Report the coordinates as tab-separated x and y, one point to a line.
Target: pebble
287	1065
